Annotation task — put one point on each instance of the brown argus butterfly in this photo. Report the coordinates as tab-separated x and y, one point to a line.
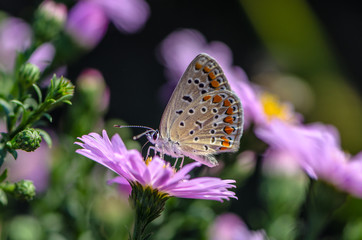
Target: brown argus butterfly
202	118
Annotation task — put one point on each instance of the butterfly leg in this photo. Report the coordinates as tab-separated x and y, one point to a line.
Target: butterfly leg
174	165
149	150
182	161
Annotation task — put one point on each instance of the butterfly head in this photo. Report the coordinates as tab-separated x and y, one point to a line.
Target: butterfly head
152	135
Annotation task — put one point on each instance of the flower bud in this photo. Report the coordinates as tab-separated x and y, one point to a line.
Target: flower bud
49	20
27	140
28	74
60	90
92	87
24	189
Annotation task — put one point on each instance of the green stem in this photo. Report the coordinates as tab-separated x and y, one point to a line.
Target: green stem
148	204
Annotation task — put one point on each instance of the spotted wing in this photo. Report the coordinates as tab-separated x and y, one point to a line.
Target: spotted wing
212	124
204	75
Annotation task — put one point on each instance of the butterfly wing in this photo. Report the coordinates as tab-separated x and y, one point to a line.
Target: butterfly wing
210	125
202	76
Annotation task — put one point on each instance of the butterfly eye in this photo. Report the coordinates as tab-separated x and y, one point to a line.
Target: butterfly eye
155	135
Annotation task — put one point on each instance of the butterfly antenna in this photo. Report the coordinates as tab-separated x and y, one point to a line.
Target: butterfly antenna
132	126
140	135
136	126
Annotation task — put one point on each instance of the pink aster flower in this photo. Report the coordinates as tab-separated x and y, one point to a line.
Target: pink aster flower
229	226
155	173
317	149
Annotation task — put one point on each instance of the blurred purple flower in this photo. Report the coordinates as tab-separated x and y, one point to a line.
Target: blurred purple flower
155	173
229	226
42	56
15	36
87	24
128	16
178	50
317	149
88	20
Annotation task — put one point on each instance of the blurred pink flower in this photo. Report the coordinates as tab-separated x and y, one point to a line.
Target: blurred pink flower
229	226
42	56
87	24
128	16
179	49
15	36
88	20
317	149
155	173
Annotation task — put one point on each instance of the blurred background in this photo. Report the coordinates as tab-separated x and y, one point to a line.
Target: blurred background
306	52
317	42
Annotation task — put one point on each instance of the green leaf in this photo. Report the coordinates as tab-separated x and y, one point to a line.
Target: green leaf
38	92
2	156
4	175
48	116
45	136
7	107
3	198
14	153
18	103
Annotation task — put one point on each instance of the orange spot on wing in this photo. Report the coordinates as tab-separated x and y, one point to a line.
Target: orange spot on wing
212	75
228	119
226	142
227	103
229	111
206	98
217	99
215	84
198	66
207	69
228	129
223	148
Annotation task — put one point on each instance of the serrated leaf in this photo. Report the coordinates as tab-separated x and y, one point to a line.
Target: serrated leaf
4	175
3	198
45	136
38	92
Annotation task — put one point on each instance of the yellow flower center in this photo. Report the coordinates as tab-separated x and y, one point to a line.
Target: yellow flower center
273	108
148	160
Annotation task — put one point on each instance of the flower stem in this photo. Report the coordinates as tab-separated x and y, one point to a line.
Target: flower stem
149	204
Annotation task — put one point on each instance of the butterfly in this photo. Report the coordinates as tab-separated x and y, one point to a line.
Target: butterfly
203	117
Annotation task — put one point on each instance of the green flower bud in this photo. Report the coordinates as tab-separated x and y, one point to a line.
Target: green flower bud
27	140
24	189
28	74
49	20
60	90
